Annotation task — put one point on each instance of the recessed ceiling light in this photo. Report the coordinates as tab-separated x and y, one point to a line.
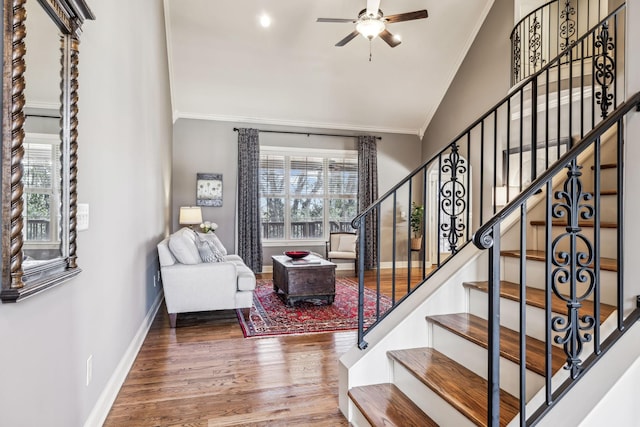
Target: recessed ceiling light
265	20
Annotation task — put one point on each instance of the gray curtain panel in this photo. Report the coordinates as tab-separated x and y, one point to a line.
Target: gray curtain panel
367	194
249	240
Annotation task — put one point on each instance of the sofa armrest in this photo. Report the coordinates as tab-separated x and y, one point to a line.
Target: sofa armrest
199	287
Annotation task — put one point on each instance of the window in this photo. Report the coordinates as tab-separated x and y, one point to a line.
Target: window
305	193
41	189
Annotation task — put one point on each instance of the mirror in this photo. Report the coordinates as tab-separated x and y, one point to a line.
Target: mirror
42	162
39	144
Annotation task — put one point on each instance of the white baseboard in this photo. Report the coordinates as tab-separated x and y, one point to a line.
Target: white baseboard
102	407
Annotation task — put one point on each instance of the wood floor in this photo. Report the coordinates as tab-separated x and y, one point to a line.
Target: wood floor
204	373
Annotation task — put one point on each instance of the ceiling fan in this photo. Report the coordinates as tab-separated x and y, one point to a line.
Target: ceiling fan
372	23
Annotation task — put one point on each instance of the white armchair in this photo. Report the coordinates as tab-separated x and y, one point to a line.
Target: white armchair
192	285
343	245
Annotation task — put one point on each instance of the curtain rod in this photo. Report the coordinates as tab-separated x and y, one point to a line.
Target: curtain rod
307	133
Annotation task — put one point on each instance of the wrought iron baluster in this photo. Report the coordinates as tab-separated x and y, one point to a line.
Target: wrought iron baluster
517	52
567	24
605	67
573	278
453	203
535	43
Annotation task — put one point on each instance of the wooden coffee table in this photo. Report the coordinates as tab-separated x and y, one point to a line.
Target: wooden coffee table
295	281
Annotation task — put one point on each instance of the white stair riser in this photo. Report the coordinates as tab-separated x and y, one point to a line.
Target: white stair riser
608	239
509	314
357	419
474	358
436	407
535	277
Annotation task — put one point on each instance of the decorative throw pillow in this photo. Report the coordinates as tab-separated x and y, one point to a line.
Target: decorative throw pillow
211	237
208	251
347	243
182	246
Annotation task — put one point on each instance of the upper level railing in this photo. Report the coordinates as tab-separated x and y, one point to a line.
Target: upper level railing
501	153
577	276
550	29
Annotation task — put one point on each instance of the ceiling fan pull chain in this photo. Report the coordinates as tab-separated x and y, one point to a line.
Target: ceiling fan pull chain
369	50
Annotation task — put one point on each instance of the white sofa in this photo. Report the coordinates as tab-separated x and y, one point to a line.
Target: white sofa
193	285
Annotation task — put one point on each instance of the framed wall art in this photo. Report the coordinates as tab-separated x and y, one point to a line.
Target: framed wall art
209	189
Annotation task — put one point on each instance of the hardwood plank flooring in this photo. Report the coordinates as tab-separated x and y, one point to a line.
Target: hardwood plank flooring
385	405
475	329
205	373
463	389
609	264
537	298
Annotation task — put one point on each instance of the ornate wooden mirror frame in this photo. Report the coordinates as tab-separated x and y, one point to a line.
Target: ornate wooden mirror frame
20	282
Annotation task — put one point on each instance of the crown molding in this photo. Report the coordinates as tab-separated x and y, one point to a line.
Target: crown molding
293	123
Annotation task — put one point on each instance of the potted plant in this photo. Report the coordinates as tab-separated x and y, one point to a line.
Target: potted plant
417	214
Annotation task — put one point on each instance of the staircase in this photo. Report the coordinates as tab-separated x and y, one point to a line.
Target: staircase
499	332
448	378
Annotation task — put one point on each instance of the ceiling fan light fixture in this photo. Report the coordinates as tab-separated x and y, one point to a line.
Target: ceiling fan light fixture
370	28
265	20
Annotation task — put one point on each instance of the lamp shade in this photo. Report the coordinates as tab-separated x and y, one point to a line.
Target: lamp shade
190	215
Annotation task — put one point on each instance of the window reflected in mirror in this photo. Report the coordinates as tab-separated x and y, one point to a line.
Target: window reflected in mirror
42	192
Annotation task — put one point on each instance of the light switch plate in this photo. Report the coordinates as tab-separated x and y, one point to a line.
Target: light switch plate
82	217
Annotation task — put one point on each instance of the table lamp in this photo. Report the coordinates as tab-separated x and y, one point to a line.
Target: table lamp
190	215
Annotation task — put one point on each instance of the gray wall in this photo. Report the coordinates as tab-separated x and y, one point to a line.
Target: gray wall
481	81
124	175
210	146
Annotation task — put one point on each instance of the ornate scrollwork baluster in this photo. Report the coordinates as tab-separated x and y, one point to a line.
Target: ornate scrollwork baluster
535	43
453	202
573	279
567	25
517	51
604	69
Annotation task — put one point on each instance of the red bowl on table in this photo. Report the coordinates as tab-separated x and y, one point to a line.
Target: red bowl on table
296	254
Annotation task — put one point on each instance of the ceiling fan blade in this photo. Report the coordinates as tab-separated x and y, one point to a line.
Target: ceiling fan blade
335	20
372	7
347	39
409	16
388	37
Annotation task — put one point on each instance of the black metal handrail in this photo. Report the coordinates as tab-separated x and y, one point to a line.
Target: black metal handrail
550	29
542	115
572	275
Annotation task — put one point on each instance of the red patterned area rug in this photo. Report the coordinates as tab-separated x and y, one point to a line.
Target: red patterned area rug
269	315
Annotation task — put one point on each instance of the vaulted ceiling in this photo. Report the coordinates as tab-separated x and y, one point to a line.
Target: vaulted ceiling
226	66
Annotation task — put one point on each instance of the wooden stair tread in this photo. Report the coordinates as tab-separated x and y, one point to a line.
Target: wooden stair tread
605	166
609	264
385	405
536	298
583	223
460	387
608	192
476	330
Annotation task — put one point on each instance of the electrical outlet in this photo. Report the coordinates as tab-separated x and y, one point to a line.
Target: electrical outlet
89	369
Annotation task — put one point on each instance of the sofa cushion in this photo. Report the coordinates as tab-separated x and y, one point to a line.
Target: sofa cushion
208	251
183	246
216	241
